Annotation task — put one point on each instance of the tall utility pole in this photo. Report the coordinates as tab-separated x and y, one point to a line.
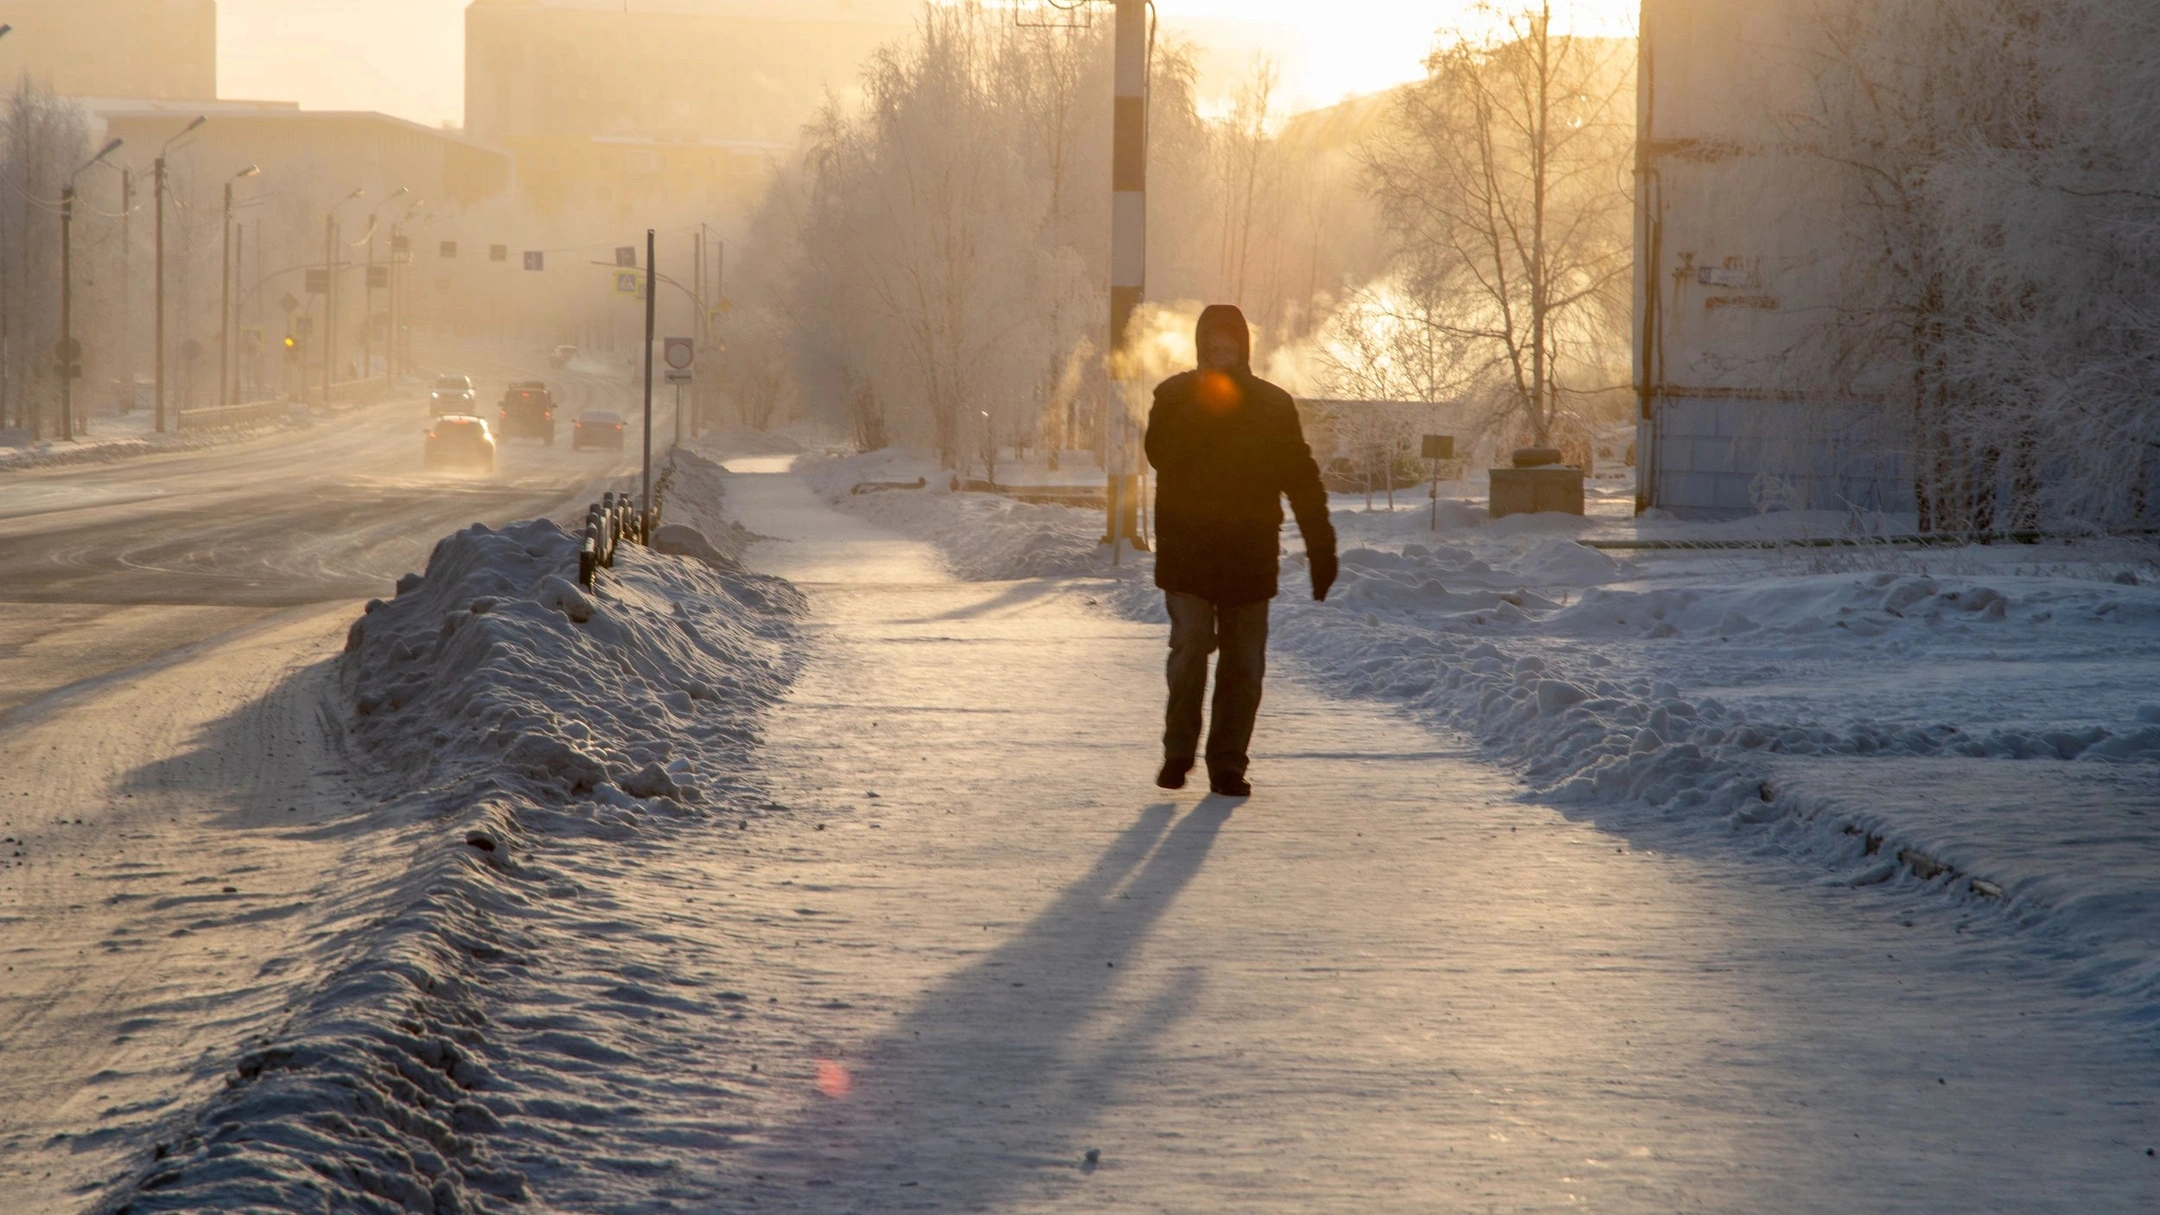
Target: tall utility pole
70	360
160	309
127	295
330	269
652	296
1128	261
367	288
225	277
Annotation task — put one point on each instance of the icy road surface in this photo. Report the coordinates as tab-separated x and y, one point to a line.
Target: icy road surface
979	944
174	860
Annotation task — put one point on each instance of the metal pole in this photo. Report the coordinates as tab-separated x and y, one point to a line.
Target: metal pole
127	299
159	336
224	324
1435	492
367	308
67	312
1128	251
329	308
390	357
652	295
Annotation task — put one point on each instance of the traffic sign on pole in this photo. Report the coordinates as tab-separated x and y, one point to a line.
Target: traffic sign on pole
626	255
535	260
448	250
680	353
628	283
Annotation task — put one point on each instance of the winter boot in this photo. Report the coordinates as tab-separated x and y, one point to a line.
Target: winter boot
1229	785
1173	773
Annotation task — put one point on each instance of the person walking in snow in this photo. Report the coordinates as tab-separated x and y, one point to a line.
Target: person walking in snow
1227	447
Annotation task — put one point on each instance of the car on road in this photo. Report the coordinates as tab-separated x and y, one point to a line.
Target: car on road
561	356
597	428
527	412
453	394
460	441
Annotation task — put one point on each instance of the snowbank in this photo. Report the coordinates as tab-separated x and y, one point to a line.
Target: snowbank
1847	705
525	728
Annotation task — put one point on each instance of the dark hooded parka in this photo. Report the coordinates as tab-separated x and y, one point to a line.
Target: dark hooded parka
1227	448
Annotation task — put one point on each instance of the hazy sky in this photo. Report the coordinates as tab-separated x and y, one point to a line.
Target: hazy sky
406	57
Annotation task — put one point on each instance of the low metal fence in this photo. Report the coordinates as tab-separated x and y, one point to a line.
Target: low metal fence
614	521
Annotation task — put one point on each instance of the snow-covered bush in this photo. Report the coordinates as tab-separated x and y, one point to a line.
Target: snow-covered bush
2000	285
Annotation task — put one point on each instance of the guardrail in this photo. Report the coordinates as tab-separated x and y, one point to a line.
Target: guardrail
233	417
613	521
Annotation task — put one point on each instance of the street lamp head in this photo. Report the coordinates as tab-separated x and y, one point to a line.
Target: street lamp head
111	147
360	192
250	171
199	120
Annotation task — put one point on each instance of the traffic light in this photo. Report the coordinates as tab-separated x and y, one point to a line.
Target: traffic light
292	346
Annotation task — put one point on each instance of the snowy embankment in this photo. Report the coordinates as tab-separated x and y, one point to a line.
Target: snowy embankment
1978	722
528	731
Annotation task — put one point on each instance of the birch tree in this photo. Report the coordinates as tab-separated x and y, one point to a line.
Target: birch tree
1504	182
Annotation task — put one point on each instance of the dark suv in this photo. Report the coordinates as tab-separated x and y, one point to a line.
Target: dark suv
528	412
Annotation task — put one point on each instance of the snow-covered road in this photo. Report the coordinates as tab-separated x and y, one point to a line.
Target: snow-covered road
978	944
179	850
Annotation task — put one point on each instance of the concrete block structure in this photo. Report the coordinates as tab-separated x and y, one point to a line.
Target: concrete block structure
1737	249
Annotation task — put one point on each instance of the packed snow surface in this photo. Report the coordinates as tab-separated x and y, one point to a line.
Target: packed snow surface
1860	707
539	727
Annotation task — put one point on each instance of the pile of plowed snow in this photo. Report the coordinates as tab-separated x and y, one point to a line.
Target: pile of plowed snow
496	666
530	733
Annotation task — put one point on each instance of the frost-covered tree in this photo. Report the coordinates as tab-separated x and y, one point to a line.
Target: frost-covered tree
941	247
2000	286
1503	178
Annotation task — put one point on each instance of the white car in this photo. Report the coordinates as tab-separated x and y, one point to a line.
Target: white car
453	394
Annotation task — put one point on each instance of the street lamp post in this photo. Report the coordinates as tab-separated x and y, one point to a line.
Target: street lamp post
160	289
367	289
394	360
330	263
70	362
225	276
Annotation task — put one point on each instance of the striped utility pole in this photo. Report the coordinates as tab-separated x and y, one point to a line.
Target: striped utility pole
1128	264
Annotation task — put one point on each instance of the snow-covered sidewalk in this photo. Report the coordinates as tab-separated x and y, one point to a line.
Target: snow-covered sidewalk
921	935
1979	723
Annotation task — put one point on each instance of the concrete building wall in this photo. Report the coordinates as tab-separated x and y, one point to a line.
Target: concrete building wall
134	48
1738	255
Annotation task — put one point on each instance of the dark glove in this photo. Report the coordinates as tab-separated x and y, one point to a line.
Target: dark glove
1324	569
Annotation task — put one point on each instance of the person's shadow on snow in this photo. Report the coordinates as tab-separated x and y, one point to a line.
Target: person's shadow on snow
997	1076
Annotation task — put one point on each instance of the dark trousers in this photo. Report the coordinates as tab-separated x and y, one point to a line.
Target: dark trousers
1198	628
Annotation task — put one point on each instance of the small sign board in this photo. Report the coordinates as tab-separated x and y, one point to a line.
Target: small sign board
679	377
680	353
1439	447
626	255
535	260
448	250
626	283
378	277
289	302
303	325
498	253
318	282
